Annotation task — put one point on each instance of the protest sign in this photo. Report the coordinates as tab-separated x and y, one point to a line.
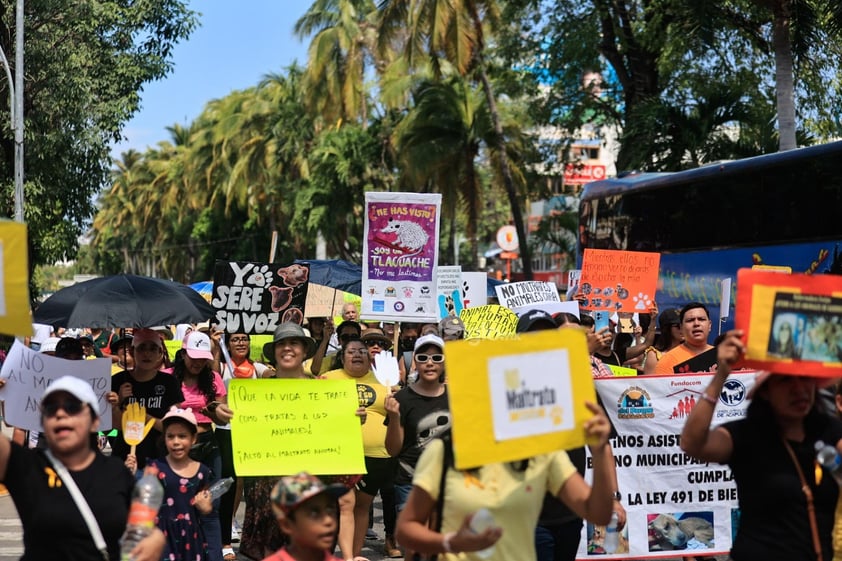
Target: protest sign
28	373
323	301
619	280
15	318
791	322
400	256
284	426
474	289
491	321
702	362
655	477
552	308
256	297
449	290
517	294
515	400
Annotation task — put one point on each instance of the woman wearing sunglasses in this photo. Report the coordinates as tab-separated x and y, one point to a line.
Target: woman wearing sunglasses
417	414
53	525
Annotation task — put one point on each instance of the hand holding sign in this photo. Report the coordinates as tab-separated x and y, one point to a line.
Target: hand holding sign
135	426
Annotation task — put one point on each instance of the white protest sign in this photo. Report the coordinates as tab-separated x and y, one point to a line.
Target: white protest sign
517	294
449	290
527	402
474	289
28	373
552	308
654	476
725	300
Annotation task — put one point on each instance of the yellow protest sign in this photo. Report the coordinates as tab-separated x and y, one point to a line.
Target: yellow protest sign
516	400
281	427
15	318
491	321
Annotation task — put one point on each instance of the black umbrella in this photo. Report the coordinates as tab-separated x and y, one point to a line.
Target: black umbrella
123	301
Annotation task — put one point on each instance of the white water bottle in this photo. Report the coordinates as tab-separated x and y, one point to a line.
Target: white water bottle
220	488
828	458
480	522
612	535
147	497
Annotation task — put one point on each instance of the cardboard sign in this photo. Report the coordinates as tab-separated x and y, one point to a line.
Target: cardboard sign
256	297
792	323
15	318
449	290
518	294
491	321
28	373
474	289
400	256
323	301
506	404
281	427
619	280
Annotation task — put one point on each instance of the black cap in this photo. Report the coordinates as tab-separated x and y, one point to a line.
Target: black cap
533	320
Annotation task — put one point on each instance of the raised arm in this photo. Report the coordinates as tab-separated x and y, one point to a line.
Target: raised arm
394	430
649	337
697	438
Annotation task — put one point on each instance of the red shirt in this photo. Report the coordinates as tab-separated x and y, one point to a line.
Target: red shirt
283	555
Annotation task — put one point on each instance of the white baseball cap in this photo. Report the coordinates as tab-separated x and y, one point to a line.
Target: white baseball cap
429	339
197	345
78	388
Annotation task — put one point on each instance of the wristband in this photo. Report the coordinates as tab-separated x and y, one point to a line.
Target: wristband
445	542
709	399
617	496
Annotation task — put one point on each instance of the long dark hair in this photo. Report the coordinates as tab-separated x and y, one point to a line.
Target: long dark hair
205	378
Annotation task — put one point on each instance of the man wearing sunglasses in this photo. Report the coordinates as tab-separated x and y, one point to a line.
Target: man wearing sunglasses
417	414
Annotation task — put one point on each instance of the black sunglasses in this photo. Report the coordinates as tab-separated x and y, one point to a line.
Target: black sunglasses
71	406
436	358
375	342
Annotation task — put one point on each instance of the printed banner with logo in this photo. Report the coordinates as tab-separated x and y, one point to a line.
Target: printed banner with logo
616	281
663	488
255	298
400	256
791	322
508	404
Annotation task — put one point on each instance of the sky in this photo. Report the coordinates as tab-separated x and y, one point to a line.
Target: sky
235	45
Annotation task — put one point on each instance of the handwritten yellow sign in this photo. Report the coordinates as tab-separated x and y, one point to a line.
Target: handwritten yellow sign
488	322
514	401
15	318
281	427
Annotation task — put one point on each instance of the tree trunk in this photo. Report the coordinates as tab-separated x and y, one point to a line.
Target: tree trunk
784	86
505	170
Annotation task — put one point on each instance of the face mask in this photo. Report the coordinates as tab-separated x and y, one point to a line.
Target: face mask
408	344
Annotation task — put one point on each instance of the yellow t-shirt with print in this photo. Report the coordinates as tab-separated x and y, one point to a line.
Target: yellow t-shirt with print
513	497
372	396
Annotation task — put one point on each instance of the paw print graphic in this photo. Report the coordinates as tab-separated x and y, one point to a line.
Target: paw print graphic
260	276
465	288
642	301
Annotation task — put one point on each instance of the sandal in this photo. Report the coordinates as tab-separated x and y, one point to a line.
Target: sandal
228	554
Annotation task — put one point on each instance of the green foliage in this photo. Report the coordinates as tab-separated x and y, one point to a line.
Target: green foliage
85	64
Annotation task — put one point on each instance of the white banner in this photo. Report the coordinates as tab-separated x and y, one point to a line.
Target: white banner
474	289
400	256
28	373
449	290
518	294
676	505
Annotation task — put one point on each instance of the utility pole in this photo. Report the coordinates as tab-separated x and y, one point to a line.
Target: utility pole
18	111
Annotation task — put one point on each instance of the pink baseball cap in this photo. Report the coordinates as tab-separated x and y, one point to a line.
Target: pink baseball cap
197	345
145	335
176	412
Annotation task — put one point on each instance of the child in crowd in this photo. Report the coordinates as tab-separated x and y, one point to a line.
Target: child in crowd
185	483
308	513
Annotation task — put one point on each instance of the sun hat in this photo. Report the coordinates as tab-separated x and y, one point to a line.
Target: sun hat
292	490
197	345
141	336
375	334
535	319
429	339
78	388
290	330
176	412
451	326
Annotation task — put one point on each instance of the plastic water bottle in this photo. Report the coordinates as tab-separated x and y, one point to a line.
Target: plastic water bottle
828	457
612	536
220	488
480	522
147	497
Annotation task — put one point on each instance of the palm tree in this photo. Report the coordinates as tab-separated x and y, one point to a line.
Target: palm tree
454	31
